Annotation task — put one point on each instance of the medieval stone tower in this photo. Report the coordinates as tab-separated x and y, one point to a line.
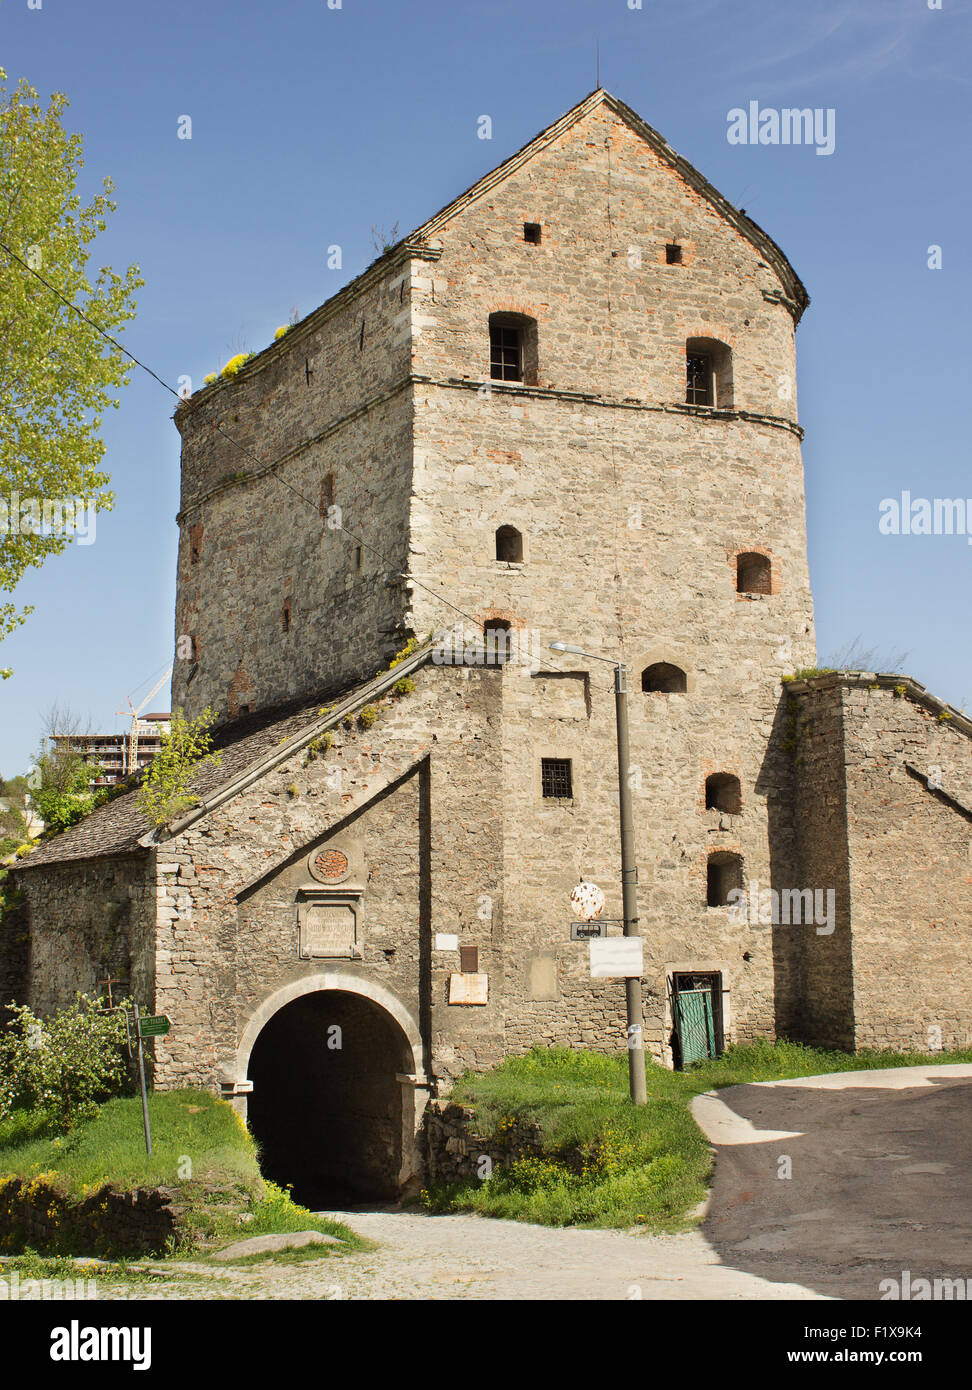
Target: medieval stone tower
565	409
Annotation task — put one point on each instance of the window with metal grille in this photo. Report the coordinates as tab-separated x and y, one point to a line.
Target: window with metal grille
505	352
555	777
698	384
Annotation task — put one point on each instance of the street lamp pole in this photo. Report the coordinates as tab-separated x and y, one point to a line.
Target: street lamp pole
629	874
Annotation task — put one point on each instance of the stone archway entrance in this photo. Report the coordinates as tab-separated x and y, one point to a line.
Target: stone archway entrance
333	1101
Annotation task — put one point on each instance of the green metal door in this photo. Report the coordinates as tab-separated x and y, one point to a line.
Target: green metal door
695	1024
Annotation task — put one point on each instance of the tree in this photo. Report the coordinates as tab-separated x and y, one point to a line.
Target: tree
57	374
61	784
166	789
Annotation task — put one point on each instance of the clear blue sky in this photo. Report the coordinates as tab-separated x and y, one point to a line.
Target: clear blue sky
312	124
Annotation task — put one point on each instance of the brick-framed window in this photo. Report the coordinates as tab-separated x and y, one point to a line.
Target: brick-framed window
532	233
513	348
698	378
754	573
708	373
556	778
673	253
505	352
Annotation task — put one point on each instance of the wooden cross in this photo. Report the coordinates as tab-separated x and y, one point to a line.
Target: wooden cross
107	983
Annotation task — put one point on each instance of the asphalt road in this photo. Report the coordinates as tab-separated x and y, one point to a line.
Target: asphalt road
838	1183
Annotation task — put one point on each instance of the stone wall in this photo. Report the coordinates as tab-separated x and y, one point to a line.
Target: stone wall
327	408
34	1214
886	813
456	1152
14	956
89	918
633	508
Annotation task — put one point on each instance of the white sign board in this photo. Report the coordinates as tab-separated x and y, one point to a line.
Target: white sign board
616	957
446	941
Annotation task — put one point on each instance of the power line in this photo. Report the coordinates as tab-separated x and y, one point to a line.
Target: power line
262	463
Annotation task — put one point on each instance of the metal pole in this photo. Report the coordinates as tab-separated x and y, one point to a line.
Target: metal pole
141	1077
629	893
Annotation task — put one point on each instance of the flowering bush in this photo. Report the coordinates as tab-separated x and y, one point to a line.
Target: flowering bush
284	328
235	363
62	1065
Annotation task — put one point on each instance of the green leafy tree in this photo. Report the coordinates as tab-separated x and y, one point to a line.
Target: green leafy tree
166	790
57	374
62	793
65	1064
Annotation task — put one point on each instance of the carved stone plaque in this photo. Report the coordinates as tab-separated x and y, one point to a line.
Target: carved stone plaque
328	928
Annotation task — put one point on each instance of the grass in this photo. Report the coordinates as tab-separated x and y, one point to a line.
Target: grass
195	1136
602	1162
198	1143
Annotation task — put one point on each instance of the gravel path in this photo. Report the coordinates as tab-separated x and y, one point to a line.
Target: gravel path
472	1257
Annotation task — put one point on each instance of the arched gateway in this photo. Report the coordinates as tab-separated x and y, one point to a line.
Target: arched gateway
334	1061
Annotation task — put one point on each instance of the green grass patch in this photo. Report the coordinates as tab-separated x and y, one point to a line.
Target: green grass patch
198	1143
195	1137
604	1162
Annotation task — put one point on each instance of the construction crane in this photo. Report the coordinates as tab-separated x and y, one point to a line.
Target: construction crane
131	743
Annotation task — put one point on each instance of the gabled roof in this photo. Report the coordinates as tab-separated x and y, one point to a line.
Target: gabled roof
416	243
250	748
766	246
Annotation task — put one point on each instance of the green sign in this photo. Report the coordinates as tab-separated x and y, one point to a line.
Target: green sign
154	1026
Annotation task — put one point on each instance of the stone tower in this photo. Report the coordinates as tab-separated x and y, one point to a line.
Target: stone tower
566	407
608	264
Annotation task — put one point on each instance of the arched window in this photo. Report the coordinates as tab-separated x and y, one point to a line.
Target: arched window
708	373
497	638
663	678
509	545
723	793
513	352
724	872
754	574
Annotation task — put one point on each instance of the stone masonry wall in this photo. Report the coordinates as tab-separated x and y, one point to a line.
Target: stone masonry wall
408	791
911	871
897	844
825	1012
278	599
89	918
633	508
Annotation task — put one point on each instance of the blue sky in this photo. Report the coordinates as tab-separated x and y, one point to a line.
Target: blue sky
311	125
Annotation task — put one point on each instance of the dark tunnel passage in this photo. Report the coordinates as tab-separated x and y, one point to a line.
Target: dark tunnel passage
327	1108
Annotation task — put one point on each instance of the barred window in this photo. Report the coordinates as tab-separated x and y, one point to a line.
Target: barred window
555	777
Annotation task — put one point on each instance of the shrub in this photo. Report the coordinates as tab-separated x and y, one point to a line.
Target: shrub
322	744
404	686
62	1065
284	328
165	792
368	716
235	364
